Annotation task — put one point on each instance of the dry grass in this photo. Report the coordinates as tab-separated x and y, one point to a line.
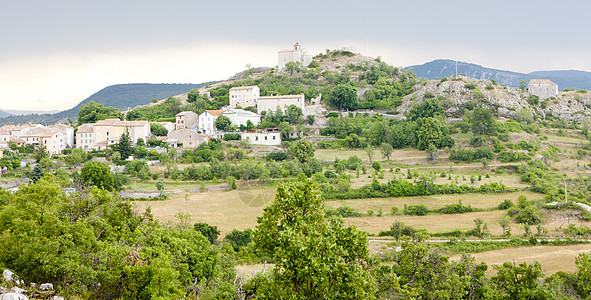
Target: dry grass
552	258
484	201
249	271
226	210
432	223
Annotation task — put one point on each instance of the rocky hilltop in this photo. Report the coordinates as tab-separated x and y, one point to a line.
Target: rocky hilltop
462	92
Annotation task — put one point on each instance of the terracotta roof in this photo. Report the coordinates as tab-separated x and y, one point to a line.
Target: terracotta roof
541	81
184	113
243	87
4	132
86	128
14	139
214	112
7	127
117	122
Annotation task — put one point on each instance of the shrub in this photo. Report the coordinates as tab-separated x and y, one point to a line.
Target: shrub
343	211
470	86
457	208
416	210
506	204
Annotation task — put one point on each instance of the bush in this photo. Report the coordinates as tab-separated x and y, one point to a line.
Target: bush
277	156
231	137
416	210
237	238
457	208
506	204
343	211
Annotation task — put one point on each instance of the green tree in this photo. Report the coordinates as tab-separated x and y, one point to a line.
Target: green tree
292	67
92	112
37	173
250	126
98	174
519	282
77	157
429	108
209	232
315	258
160	186
293	114
124	146
302	150
158	130
344	96
369	152
40	153
522	85
223	123
482	122
386	150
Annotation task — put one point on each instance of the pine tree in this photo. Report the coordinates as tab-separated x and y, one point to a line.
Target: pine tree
37	173
124	147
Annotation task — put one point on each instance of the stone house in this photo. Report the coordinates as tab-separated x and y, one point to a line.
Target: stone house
244	96
274	103
542	88
297	55
187	119
267	137
85	137
187	138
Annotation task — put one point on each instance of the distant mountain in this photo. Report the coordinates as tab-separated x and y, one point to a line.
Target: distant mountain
30	112
440	68
4	114
121	96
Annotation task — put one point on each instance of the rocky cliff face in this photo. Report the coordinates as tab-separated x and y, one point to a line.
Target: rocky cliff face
461	92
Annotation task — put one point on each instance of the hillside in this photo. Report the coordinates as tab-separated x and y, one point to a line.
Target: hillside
463	92
4	114
121	96
440	68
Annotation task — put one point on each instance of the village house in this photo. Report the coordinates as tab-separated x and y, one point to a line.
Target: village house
187	119
111	130
187	138
168	125
85	137
274	103
297	55
241	116
244	96
54	140
543	88
68	131
267	137
207	121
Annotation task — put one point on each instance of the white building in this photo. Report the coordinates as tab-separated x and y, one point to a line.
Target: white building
244	96
297	54
274	103
267	137
85	137
207	121
54	140
68	131
241	116
542	88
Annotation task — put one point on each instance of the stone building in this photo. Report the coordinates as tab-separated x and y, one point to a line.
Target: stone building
542	88
274	103
244	96
187	119
297	54
267	137
186	138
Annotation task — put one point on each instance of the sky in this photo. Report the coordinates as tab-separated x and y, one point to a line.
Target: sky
54	54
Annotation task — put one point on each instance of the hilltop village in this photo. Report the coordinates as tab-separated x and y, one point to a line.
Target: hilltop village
333	176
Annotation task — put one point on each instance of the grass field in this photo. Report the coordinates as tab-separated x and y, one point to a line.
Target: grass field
483	201
552	258
225	209
432	223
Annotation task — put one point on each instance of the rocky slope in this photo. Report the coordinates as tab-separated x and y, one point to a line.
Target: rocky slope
507	101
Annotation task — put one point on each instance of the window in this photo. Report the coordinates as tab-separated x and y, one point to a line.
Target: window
265	138
273	137
256	138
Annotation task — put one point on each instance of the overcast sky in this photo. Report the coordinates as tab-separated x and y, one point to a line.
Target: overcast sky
53	54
